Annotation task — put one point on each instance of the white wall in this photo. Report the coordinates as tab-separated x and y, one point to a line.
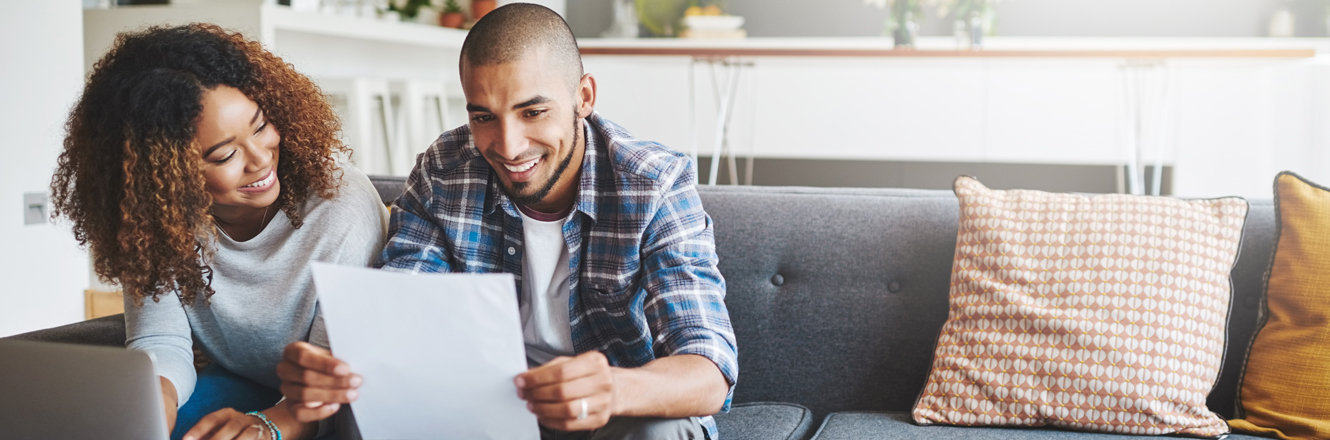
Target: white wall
42	271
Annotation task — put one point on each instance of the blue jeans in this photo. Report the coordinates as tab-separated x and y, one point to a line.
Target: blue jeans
217	389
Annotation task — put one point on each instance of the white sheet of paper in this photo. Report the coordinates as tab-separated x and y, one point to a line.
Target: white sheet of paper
438	352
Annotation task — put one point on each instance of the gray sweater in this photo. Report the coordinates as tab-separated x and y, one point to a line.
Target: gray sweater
264	290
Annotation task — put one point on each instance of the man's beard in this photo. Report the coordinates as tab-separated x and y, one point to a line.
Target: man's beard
536	197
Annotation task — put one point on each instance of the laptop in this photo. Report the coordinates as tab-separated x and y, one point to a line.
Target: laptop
63	391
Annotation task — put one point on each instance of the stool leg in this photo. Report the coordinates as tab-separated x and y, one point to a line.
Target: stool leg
692	116
735	69
724	109
362	139
387	126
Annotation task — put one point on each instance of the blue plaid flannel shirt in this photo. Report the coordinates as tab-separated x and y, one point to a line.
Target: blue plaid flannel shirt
643	276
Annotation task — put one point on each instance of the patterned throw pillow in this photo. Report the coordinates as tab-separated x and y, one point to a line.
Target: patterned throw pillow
1103	313
1285	389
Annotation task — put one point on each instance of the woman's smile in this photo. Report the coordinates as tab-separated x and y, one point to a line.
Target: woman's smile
262	185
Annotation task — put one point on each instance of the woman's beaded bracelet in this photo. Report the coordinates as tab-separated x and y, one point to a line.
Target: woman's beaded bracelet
273	432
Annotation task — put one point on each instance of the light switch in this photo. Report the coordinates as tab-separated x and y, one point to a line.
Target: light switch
34	208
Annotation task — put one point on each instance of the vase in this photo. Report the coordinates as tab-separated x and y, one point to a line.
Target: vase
976	28
960	32
974	23
426	16
481	7
905	31
625	21
452	20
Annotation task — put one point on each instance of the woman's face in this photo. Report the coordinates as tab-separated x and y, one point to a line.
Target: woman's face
239	150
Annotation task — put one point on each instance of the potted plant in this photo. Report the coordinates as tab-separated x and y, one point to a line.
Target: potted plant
903	20
661	18
973	17
481	7
452	15
408	9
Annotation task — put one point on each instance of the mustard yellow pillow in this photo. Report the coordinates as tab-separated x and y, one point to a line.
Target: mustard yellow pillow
1285	389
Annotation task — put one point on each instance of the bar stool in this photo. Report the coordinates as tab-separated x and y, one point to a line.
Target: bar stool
725	88
368	121
423	116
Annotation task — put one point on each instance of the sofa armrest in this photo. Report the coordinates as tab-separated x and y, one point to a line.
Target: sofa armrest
107	331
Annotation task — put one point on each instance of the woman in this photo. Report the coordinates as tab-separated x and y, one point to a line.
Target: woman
201	170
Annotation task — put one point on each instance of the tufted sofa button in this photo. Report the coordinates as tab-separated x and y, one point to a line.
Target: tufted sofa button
894	287
777	280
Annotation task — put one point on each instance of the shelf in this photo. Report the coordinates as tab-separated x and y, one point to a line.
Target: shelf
282	18
264	22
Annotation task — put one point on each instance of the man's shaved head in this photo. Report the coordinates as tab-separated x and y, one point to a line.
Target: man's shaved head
509	33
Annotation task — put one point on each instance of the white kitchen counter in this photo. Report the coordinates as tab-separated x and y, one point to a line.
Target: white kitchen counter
1242	109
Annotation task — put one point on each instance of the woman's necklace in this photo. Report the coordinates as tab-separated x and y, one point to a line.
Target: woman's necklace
262	221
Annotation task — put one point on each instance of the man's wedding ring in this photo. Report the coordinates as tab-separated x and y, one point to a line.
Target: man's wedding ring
583	414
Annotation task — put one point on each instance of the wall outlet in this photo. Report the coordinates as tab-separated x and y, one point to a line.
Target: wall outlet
34	208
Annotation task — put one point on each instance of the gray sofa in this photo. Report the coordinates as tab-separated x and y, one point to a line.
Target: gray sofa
837	297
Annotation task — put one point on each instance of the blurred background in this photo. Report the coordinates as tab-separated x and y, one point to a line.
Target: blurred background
1190	98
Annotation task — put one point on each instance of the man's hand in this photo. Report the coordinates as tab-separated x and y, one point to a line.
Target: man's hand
315	382
559	391
227	424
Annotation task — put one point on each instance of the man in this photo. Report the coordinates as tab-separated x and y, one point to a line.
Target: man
621	301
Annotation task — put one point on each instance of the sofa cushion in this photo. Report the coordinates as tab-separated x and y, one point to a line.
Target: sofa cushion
1098	313
836	295
1287	376
765	421
899	426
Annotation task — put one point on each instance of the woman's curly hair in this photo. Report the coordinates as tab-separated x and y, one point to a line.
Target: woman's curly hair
130	178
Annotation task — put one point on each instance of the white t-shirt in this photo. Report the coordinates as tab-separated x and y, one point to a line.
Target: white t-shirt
544	309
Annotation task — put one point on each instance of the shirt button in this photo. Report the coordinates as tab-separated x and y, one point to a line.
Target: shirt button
512	251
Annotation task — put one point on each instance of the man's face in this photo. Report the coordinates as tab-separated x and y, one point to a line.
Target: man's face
525	119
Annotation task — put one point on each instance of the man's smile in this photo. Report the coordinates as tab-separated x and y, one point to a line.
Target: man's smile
522	171
522	167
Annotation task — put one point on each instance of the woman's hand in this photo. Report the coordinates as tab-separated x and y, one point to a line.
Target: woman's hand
169	402
228	424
